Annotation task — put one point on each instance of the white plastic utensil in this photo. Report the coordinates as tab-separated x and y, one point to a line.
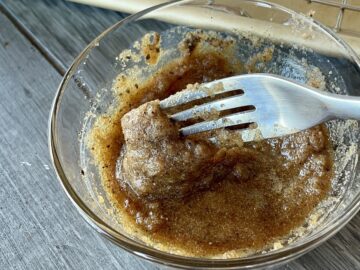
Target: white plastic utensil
278	106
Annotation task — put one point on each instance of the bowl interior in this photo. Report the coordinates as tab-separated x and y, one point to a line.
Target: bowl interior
299	52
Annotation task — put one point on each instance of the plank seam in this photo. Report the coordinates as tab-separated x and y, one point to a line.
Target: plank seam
49	56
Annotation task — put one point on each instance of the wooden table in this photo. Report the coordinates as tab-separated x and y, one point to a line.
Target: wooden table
39	227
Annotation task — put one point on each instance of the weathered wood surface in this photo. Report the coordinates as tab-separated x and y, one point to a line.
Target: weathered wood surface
61	29
39	229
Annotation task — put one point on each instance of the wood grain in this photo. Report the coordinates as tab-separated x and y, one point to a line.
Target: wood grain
61	29
39	229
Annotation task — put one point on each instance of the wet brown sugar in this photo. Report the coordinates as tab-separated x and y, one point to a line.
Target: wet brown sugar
156	163
265	190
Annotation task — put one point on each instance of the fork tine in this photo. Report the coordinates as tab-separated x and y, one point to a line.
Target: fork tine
205	90
237	101
227	121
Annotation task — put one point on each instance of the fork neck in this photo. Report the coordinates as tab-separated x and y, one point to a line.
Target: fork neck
342	107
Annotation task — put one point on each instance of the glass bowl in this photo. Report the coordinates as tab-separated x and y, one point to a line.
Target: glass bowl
299	42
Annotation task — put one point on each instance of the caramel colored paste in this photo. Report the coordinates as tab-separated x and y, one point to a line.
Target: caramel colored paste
257	192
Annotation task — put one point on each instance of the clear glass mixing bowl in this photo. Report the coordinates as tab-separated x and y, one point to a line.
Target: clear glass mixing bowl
298	41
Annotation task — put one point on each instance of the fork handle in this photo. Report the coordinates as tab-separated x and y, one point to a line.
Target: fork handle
342	107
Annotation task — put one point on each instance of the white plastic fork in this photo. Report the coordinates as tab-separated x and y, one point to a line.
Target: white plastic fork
282	106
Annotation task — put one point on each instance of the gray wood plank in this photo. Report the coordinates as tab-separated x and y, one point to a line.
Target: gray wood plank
59	28
39	228
64	33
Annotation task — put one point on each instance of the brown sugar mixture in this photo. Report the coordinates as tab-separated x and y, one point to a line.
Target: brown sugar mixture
187	195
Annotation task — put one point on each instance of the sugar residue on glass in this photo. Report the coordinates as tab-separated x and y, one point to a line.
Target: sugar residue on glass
272	189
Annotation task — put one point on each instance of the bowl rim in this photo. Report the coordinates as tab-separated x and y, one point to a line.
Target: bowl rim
262	260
